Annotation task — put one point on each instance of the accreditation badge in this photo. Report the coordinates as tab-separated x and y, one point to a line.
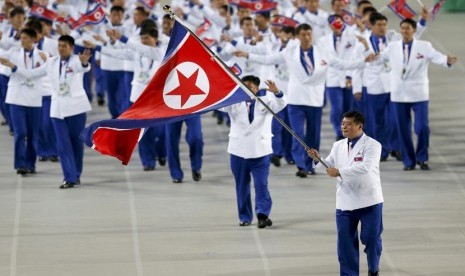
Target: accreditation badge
143	77
28	83
64	89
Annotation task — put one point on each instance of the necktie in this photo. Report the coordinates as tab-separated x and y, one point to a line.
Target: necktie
406	53
349	147
27	60
381	45
308	63
338	42
250	108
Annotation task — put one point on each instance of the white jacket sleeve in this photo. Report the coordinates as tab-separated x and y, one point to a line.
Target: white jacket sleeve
436	57
154	53
273	59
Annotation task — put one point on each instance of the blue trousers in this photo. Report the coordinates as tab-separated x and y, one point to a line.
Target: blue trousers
194	140
243	170
47	138
115	92
26	132
404	130
87	80
341	100
152	146
306	118
282	139
128	77
100	84
371	220
70	146
4	107
382	124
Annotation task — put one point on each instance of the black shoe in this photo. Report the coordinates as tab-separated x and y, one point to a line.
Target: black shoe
276	160
312	172
264	222
290	162
31	171
78	182
373	273
423	166
411	168
100	101
147	169
67	185
383	159
43	158
397	155
12	133
177	181
196	175
54	158
4	123
21	171
162	161
244	223
219	120
301	173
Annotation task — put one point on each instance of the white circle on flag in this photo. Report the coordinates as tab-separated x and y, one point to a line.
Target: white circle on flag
258	6
281	20
191	98
98	15
40	10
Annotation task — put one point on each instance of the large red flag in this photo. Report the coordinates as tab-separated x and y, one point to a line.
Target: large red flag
190	81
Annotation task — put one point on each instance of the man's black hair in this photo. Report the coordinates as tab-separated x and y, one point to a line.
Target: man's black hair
17	10
303	27
148	24
153	32
368	10
29	32
35	24
253	79
142	10
117	9
68	39
375	17
288	30
409	21
363	2
357	116
267	15
247	18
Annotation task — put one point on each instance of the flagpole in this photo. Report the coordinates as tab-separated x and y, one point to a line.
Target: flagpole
168	10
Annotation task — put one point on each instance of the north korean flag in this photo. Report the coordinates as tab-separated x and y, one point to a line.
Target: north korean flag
190	81
42	12
93	17
260	6
280	20
149	4
401	9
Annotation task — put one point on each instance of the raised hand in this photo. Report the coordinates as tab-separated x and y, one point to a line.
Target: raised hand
43	56
240	54
6	62
362	40
424	13
85	56
272	86
451	60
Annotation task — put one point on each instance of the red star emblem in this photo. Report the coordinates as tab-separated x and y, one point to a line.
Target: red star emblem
187	87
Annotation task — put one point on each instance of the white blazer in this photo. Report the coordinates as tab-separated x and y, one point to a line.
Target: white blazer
410	83
22	90
302	89
359	185
73	103
252	140
346	51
